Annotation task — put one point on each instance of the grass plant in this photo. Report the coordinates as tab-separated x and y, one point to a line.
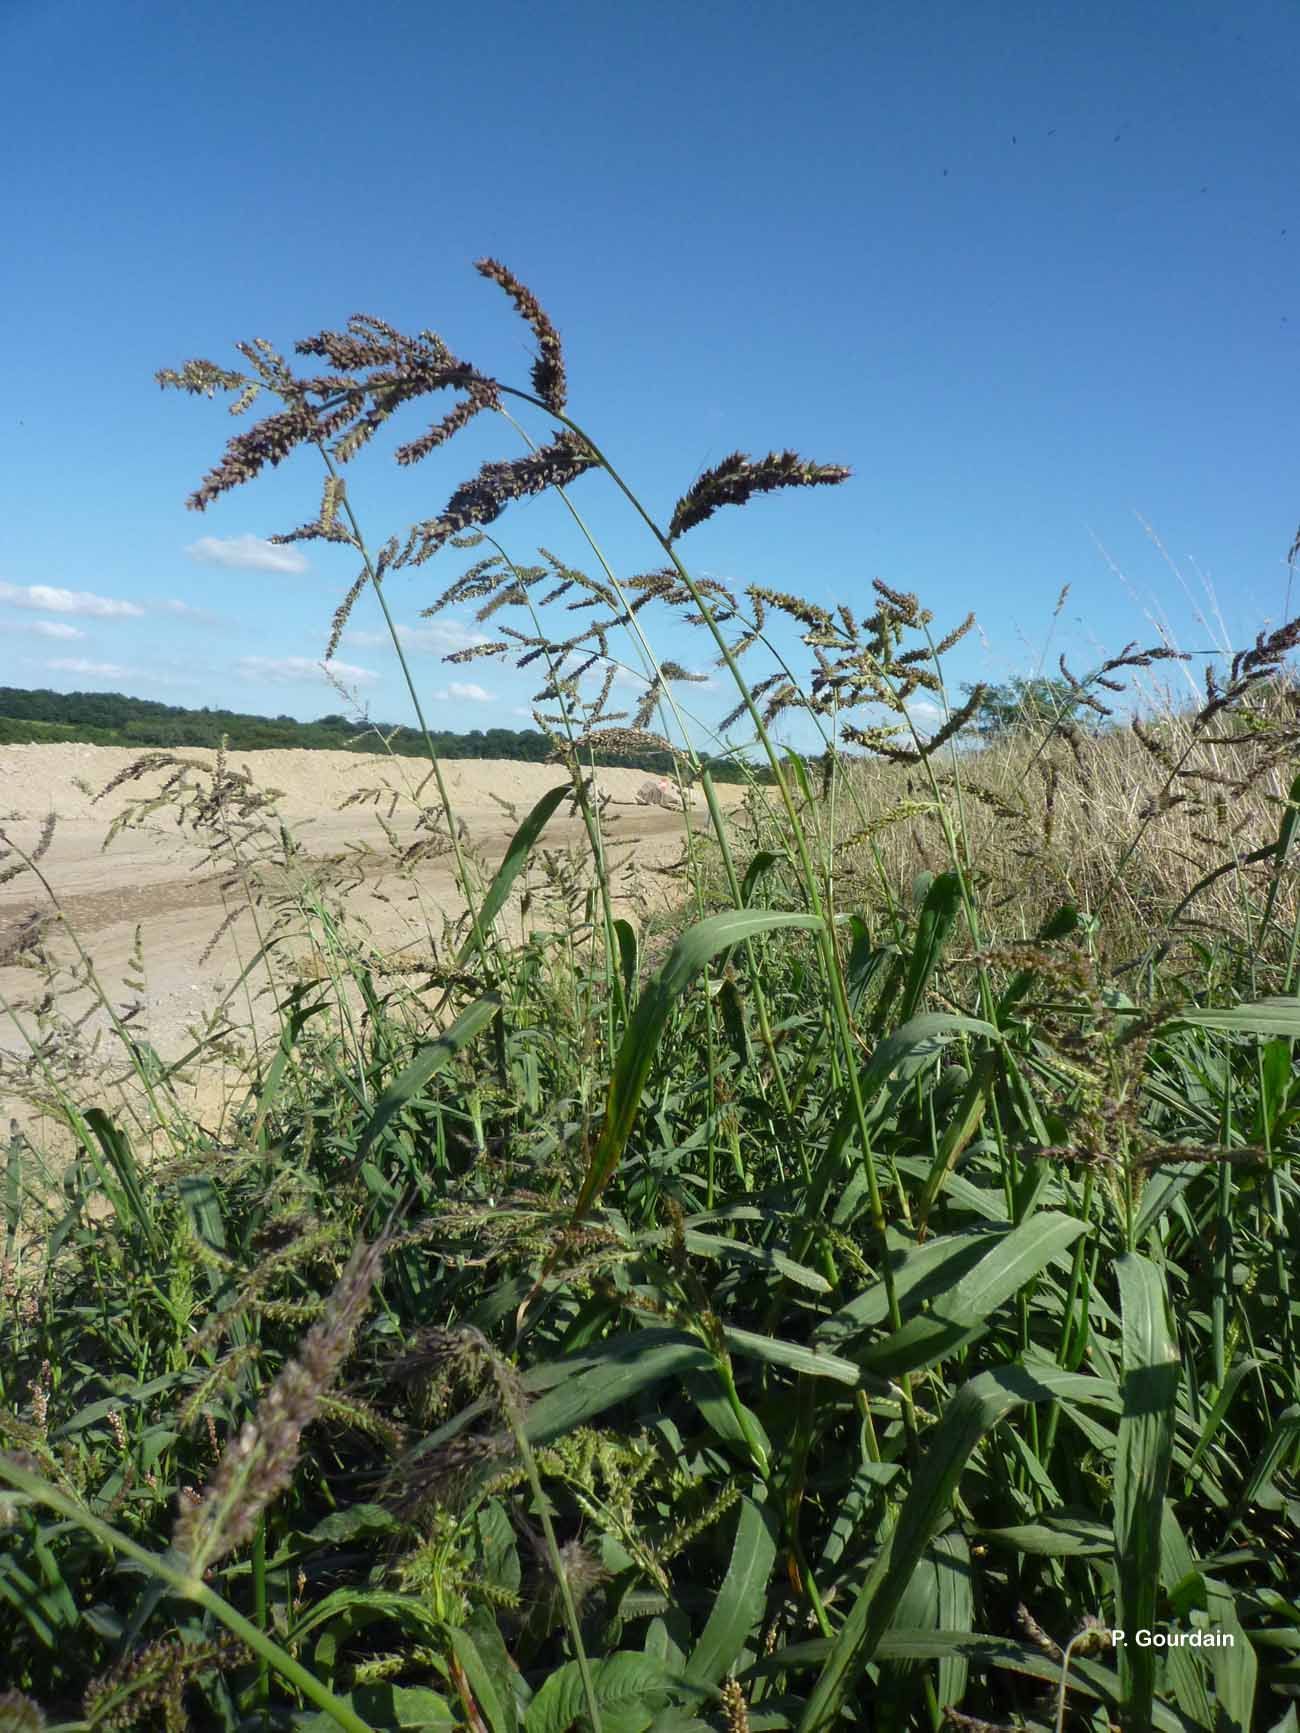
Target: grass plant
859	1297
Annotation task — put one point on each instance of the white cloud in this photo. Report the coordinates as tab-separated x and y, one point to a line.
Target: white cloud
79	665
246	554
465	692
184	611
437	638
46	628
290	670
46	599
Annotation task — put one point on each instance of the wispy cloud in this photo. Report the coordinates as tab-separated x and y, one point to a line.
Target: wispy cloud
46	599
80	665
926	716
246	554
45	628
466	692
293	670
437	638
184	611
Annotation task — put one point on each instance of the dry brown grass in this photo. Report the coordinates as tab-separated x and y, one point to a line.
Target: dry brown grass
1171	827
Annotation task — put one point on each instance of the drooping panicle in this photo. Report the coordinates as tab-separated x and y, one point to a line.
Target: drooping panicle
548	369
268	441
483	499
737	479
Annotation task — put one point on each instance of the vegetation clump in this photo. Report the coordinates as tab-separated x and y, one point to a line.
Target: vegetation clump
864	1301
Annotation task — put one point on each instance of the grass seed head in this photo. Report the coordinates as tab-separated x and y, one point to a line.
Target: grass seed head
737	479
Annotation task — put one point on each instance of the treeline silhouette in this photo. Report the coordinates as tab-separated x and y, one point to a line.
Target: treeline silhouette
42	717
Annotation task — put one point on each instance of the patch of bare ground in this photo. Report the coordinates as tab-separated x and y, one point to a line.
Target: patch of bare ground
170	929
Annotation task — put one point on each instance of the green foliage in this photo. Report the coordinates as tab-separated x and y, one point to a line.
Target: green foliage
112	719
814	1307
1026	704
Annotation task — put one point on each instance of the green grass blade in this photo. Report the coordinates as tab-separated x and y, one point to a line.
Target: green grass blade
629	958
758	868
428	1061
738	1610
625	1367
969	1417
938	915
916	1043
117	1151
512	864
1146	1440
814	1362
1277	1015
499	1716
637	1049
921	1273
961	1315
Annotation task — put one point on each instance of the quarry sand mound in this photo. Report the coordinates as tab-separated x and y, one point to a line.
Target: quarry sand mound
34	779
157	885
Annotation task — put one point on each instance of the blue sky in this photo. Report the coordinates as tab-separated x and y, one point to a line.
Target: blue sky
1028	269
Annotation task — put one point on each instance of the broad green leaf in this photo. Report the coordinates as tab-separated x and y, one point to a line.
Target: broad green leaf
1222	1402
813	1362
512	864
1279	1447
354	1521
630	1688
1055	1536
429	1060
715	1246
740	1431
1145	1448
358	1607
738	1610
961	1315
629	958
956	1609
1234	1666
921	1273
498	1711
971	1414
963	1125
916	1043
762	863
935	923
408	1708
1278	1015
623	1368
641	1038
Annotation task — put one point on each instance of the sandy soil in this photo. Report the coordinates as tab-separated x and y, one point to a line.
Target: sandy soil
158	879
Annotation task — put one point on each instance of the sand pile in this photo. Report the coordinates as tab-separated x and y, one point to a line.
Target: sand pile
34	779
157	894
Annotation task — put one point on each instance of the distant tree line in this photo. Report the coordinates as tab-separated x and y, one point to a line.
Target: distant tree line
1031	705
112	719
